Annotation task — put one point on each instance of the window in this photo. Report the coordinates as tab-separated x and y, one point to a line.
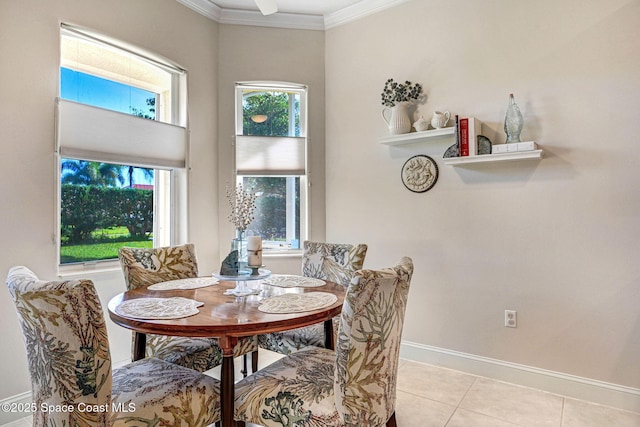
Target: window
270	155
121	147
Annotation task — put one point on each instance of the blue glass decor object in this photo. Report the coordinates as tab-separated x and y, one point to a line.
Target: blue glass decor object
513	121
240	244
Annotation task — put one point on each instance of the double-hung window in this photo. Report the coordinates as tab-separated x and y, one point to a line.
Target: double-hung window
121	146
271	160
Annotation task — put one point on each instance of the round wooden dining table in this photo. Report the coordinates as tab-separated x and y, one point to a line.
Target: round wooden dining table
227	318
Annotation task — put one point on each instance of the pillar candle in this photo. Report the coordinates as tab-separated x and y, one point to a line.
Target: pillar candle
254	248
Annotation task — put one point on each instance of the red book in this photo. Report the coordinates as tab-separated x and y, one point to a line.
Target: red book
464	136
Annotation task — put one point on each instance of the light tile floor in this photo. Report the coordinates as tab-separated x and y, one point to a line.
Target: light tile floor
429	396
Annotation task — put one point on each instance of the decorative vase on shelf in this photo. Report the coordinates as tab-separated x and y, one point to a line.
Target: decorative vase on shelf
239	243
397	118
513	121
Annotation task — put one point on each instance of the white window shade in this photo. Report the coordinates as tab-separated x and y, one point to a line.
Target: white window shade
270	155
92	133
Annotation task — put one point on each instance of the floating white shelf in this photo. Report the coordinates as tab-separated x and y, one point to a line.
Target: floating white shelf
487	158
408	138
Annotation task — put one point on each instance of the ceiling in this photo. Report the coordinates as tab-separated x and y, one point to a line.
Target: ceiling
300	14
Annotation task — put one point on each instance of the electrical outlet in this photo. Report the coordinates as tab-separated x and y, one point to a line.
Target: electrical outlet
511	318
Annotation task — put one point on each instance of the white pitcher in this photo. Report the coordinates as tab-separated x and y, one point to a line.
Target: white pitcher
440	119
398	119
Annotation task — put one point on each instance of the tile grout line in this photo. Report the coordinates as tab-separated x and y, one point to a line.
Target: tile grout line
564	402
475	378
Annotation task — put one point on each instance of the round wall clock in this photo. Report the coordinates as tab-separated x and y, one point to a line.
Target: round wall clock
419	173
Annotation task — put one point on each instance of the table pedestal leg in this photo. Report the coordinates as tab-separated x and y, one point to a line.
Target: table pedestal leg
227	380
139	346
329	339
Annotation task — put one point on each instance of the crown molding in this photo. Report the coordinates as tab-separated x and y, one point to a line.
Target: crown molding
203	7
277	20
290	20
357	11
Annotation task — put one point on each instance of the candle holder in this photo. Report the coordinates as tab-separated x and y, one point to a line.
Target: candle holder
255	269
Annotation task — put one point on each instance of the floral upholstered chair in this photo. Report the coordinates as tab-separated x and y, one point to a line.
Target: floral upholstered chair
353	386
73	384
143	267
336	262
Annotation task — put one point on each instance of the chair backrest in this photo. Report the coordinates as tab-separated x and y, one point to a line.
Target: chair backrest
368	346
336	262
67	348
145	266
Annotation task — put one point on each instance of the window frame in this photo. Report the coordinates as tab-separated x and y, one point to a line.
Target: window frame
302	90
170	182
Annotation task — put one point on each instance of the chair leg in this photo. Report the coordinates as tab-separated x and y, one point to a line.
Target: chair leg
254	362
391	422
244	365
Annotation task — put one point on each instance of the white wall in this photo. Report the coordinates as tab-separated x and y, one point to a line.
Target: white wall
557	240
29	55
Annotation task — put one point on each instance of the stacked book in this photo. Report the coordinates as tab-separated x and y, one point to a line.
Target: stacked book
514	146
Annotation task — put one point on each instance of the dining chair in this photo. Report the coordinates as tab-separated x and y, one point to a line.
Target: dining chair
148	266
336	262
72	380
355	385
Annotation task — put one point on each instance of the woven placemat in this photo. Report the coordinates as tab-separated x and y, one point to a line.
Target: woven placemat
293	281
181	284
158	308
296	303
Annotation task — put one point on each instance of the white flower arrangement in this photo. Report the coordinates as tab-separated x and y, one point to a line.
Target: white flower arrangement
242	203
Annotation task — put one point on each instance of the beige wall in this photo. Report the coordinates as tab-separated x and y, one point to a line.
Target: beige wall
258	53
29	55
556	240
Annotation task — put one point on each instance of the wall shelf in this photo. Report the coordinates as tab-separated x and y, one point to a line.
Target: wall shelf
409	138
488	158
413	137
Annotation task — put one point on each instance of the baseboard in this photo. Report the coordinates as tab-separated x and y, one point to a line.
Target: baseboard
12	404
600	392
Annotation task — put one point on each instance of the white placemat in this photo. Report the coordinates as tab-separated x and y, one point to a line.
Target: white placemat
181	284
293	281
296	303
158	308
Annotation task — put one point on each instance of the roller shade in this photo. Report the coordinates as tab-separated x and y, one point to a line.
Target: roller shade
270	155
91	133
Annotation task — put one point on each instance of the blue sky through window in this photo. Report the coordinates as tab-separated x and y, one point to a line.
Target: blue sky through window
99	92
92	90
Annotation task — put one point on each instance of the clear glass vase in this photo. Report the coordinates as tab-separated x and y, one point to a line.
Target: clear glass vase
513	121
239	243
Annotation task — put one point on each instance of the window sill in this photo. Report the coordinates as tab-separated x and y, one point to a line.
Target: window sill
292	253
80	270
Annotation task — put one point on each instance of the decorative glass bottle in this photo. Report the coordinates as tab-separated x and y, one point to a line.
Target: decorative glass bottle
239	243
513	121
